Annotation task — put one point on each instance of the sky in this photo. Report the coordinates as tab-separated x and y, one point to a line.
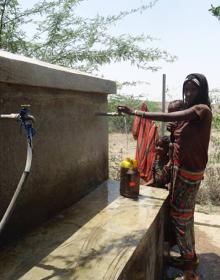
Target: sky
184	28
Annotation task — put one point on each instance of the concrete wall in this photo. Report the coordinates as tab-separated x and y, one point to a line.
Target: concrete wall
71	144
147	262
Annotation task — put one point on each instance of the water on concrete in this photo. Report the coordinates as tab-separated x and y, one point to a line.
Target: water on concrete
94	239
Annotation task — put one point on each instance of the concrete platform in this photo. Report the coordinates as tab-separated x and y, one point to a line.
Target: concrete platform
103	236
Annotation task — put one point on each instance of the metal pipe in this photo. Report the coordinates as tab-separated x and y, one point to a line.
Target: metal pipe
109	114
163	102
10	116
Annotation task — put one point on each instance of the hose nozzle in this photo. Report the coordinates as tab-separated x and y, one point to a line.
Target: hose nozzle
24	113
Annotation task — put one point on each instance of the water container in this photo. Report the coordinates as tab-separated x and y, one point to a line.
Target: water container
129	178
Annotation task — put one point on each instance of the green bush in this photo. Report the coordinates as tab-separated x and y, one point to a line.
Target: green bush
124	124
209	192
216	122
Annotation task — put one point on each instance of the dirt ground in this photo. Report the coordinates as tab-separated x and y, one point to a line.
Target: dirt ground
207	219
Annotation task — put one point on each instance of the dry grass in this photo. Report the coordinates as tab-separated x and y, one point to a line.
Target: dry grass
209	192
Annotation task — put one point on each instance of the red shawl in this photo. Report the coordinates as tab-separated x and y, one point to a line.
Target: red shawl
146	134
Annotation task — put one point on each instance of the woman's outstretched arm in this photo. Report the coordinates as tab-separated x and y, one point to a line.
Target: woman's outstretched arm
184	115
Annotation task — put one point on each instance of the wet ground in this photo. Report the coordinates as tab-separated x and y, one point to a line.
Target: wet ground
207	232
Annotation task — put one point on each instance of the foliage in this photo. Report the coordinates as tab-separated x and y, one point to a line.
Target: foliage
11	35
215	101
215	11
209	192
216	122
62	37
124	124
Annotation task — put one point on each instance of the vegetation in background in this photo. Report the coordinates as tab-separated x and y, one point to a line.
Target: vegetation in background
117	124
62	37
209	192
215	11
216	122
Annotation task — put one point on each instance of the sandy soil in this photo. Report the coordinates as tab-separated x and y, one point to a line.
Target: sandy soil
207	220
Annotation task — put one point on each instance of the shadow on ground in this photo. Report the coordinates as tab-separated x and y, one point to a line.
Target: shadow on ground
209	268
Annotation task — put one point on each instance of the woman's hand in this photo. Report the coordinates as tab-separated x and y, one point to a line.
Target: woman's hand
125	109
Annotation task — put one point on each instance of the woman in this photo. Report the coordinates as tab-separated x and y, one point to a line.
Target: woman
191	155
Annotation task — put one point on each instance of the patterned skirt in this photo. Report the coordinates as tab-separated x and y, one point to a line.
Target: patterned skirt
182	205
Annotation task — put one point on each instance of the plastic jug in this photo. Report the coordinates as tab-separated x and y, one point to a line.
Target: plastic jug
129	178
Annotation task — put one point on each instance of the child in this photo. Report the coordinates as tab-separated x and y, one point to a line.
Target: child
174	106
161	174
162	166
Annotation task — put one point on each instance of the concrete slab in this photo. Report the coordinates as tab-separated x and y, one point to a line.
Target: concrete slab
21	70
94	239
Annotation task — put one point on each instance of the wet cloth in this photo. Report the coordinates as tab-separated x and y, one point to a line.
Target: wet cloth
182	205
146	134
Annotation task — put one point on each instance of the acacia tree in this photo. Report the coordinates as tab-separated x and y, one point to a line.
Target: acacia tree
12	37
62	37
215	11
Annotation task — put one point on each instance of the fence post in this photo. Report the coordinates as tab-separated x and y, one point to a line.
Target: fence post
163	102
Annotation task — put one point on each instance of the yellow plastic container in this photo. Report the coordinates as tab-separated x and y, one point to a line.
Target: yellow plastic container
129	178
129	163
